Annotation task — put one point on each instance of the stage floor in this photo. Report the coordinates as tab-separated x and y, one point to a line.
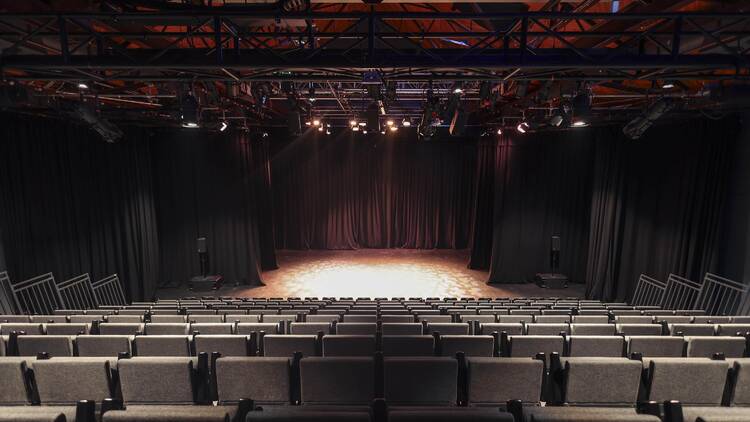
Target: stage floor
376	273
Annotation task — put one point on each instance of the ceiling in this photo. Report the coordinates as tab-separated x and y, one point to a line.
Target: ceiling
252	63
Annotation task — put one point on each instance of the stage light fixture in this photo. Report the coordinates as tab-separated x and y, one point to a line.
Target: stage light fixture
667	85
638	126
308	123
364	131
389	122
406	122
522	127
311	94
320	128
394	128
328	131
579	123
353	122
355	128
109	132
190	125
316	122
223	126
499	131
362	124
556	120
82	85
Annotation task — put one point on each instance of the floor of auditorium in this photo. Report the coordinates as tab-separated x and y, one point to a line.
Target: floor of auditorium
375	273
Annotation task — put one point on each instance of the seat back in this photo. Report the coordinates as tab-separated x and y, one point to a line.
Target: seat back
266	380
356	328
168	319
530	346
206	319
420	381
13	388
156	380
227	345
639	329
552	319
591	319
479	346
125	319
656	346
28	328
692	381
601	381
546	329
64	381
401	329
513	328
692	329
322	318
285	345
310	328
245	328
741	392
212	328
494	381
121	328
705	347
421	345
732	329
337	380
592	329
162	345
596	346
56	346
103	345
167	329
348	345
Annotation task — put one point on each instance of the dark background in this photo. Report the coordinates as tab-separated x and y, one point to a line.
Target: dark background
676	200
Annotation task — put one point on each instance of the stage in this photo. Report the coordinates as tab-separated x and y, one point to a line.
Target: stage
375	273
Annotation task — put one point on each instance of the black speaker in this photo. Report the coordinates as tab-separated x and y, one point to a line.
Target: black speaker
201	245
556	243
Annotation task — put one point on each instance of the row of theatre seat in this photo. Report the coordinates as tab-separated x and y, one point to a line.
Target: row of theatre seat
364	389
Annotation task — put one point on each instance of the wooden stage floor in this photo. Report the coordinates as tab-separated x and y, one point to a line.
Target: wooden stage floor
375	273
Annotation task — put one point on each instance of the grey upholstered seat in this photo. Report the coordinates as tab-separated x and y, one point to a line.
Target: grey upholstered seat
28	328
212	328
104	345
86	319
162	345
712	319
588	414
121	328
125	319
419	345
656	346
17	319
591	319
168	319
480	346
44	319
592	329
482	319
692	329
173	329
266	380
322	318
307	414
434	318
420	381
454	414
285	345
275	319
639	329
518	318
64	381
246	328
56	346
547	329
356	328
251	319
530	346
552	319
15	400
397	319
67	329
705	347
401	329
310	328
511	328
732	329
206	319
337	380
494	381
692	381
227	345
596	346
348	345
634	319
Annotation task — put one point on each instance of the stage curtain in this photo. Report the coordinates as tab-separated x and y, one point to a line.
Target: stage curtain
542	186
484	199
214	185
657	203
73	204
349	191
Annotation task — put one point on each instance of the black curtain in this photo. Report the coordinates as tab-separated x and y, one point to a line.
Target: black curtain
213	185
657	203
541	187
350	191
73	204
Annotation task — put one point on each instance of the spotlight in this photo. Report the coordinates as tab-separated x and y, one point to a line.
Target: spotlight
364	131
667	85
328	131
382	132
556	120
189	111
355	128
320	129
82	85
406	123
638	126
579	123
223	127
458	90
499	131
363	124
316	122
394	128
389	122
352	122
308	123
522	127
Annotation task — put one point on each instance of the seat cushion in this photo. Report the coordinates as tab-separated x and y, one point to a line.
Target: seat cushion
432	414
167	413
37	414
586	414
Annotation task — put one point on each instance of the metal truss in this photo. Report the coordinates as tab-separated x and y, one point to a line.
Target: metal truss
338	47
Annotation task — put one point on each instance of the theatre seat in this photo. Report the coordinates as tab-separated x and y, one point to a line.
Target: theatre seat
706	347
348	345
270	380
494	381
420	345
420	381
226	345
285	345
166	345
337	381
596	346
56	346
67	329
15	402
104	345
480	346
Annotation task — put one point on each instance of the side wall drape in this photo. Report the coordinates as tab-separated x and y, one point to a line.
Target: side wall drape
657	204
72	204
350	191
542	187
213	185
